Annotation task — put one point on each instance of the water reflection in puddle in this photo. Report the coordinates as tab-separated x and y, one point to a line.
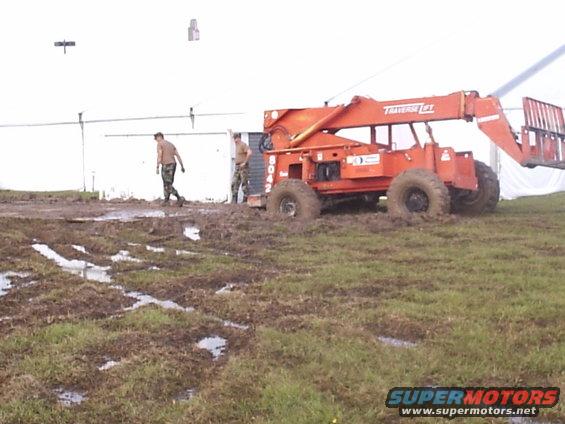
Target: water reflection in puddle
226	289
396	342
84	269
184	252
155	249
185	395
108	364
79	248
235	325
216	345
96	273
69	398
207	211
124	256
129	215
145	299
6	280
193	233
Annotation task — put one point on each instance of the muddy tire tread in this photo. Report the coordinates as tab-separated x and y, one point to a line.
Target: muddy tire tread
309	204
488	181
426	180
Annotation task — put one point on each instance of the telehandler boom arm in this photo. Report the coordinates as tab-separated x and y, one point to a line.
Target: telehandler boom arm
542	138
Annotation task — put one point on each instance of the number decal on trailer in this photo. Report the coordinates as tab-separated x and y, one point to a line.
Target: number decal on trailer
270	173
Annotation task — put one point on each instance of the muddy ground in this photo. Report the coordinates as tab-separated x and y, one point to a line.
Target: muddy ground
238	277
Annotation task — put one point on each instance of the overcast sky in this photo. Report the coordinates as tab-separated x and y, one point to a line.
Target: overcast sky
134	57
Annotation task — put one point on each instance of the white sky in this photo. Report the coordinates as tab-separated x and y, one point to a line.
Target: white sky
133	57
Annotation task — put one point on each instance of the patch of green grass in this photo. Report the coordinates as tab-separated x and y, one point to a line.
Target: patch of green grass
33	411
52	354
482	298
11	195
183	268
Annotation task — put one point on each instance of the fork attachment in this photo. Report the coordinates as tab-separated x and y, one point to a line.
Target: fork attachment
543	135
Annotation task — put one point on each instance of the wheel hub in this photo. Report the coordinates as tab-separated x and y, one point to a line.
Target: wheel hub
288	206
417	200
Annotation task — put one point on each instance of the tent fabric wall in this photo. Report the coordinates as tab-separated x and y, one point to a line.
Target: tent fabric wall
131	172
50	158
120	157
517	181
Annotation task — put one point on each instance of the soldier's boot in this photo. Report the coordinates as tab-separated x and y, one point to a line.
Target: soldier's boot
244	199
165	202
180	201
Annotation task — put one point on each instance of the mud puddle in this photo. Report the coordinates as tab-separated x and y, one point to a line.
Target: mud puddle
184	252
69	398
191	232
207	211
216	345
110	363
226	289
155	249
185	395
144	299
124	256
97	273
232	324
85	269
79	248
6	280
396	342
100	274
128	215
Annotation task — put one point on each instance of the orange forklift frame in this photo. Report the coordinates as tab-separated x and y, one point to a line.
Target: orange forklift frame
304	138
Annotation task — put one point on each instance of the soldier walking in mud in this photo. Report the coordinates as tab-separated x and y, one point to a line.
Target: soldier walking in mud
167	155
241	174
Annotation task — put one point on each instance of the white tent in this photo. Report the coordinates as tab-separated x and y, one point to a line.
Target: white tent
250	57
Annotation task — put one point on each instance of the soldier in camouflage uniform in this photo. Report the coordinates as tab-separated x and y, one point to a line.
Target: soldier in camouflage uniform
167	156
241	174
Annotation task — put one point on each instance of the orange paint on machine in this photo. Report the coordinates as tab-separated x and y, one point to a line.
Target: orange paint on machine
308	164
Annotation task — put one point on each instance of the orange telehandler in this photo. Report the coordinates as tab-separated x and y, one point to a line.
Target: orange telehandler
308	164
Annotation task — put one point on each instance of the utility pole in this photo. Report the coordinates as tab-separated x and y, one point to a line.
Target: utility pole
81	123
516	81
64	44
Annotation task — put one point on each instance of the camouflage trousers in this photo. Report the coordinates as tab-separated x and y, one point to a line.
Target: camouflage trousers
240	178
168	175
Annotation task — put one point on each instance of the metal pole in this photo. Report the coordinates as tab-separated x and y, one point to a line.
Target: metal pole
81	123
511	85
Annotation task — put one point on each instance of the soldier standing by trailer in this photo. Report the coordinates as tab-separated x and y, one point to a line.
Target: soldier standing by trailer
167	156
241	174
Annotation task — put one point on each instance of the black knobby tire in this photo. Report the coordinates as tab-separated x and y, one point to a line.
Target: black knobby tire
484	200
294	198
417	191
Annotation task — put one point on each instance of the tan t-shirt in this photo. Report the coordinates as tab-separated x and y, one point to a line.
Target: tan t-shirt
166	152
241	150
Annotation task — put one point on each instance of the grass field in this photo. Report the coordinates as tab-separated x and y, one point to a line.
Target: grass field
481	301
15	195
